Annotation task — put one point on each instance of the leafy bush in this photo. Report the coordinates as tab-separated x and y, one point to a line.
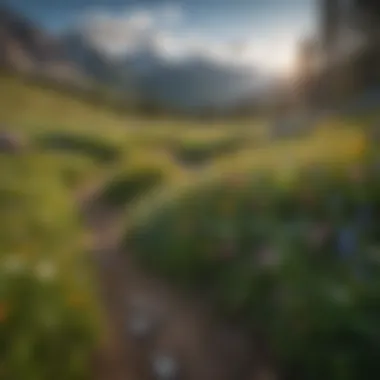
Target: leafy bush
48	317
142	172
300	261
91	146
199	151
130	185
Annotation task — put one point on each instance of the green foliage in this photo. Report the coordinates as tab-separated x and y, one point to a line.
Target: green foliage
74	170
199	151
48	317
300	261
132	183
88	145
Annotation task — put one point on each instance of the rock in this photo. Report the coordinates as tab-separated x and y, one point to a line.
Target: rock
165	367
145	317
141	325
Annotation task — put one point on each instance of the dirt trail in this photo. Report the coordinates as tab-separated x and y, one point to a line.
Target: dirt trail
205	348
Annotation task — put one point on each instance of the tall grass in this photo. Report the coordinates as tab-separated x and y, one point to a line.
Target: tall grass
48	314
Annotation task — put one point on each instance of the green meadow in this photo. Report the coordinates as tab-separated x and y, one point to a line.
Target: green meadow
283	234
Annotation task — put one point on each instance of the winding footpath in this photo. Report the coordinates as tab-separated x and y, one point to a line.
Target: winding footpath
202	346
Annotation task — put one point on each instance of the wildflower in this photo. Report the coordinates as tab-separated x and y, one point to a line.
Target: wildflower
46	271
347	243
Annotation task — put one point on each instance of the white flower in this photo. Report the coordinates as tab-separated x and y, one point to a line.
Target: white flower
46	271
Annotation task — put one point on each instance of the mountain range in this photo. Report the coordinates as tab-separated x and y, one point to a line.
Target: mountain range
194	83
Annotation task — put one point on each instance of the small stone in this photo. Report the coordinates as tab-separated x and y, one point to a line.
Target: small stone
141	325
165	367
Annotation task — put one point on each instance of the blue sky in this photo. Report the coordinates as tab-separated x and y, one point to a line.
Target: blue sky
263	28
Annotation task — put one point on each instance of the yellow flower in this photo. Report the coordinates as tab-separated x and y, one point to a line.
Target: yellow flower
75	300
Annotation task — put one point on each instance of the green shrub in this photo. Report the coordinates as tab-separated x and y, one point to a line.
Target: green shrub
199	151
90	146
143	172
301	261
129	185
48	317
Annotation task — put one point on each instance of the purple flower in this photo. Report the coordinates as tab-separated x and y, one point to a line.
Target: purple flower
347	242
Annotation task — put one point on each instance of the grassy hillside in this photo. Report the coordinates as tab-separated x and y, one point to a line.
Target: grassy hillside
27	104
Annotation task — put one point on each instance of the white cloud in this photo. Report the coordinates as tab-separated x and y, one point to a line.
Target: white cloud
125	32
116	34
